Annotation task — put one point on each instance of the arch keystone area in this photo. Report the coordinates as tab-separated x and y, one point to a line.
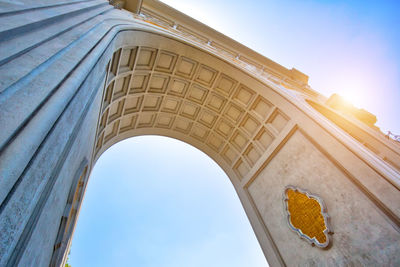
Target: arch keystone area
77	77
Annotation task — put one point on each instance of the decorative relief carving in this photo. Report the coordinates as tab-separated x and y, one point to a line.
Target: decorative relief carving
307	216
161	89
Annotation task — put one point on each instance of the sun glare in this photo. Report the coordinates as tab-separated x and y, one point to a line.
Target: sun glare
351	97
355	93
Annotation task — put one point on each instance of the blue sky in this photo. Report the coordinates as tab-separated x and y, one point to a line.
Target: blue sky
155	201
345	47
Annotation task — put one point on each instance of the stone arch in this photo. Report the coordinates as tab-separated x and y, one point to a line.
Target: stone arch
55	120
168	88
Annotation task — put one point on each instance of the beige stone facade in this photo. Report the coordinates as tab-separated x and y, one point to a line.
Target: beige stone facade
78	77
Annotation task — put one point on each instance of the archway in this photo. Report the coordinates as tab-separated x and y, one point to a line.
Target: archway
81	88
157	85
160	86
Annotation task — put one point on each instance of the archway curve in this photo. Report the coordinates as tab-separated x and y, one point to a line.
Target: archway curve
164	87
157	85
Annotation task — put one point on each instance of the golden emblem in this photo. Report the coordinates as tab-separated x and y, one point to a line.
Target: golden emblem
307	216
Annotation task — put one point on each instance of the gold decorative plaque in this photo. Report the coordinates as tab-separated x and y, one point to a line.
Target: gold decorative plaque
307	216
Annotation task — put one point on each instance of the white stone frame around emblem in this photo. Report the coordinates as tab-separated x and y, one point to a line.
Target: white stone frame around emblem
328	229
